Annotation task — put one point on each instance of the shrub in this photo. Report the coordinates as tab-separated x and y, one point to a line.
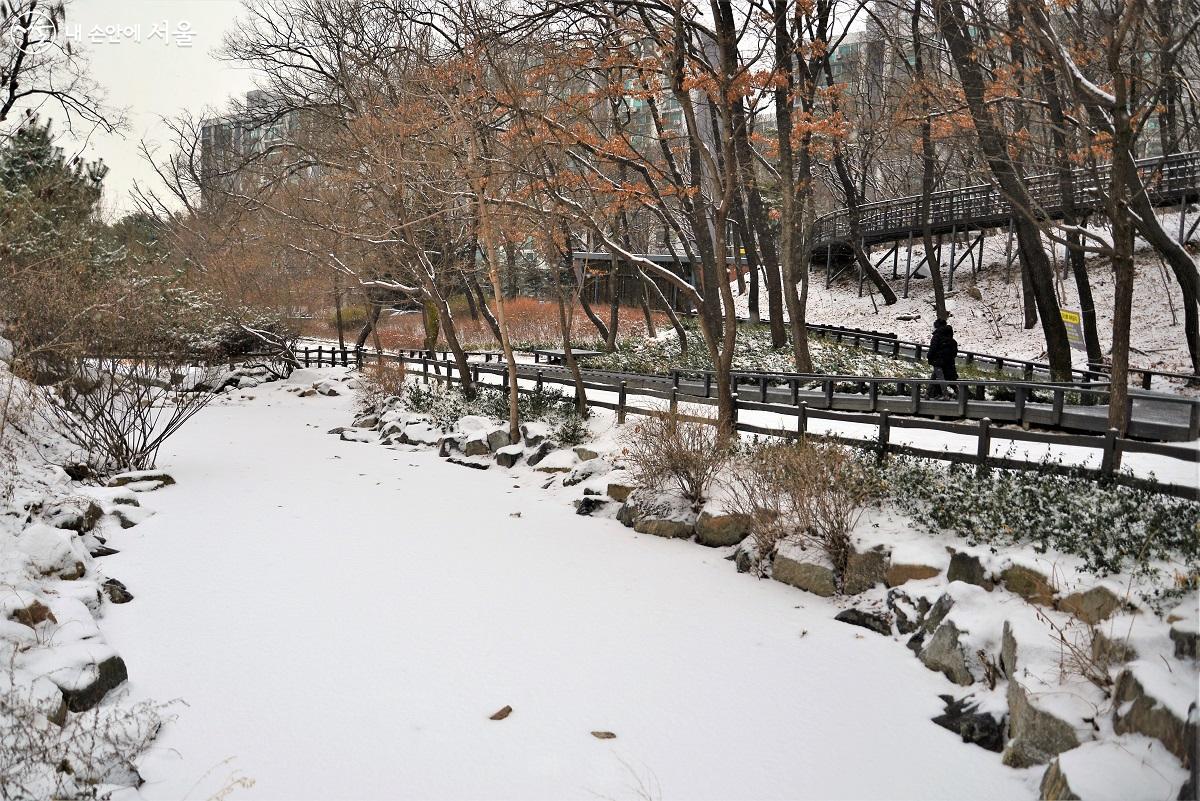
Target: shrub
380	381
352	317
572	430
664	450
813	493
1111	527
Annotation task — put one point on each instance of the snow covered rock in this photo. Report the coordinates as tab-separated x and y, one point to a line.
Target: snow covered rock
718	528
619	492
875	621
534	433
75	512
1035	734
509	455
586	470
585	454
141	480
962	716
667	516
1128	767
968	568
498	438
1091	606
1149	699
420	432
907	610
53	551
1029	584
559	461
944	653
6	351
805	569
864	570
898	574
589	505
476	444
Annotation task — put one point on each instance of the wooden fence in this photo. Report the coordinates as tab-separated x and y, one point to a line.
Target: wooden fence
1110	446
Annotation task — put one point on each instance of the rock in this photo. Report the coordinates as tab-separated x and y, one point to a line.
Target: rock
139	477
1029	584
53	551
943	653
964	567
898	574
804	570
534	433
475	463
1054	785
116	591
1136	711
1092	606
665	527
604	735
874	621
501	713
306	393
979	728
586	506
864	571
544	449
498	438
448	444
124	519
908	612
718	531
585	471
746	555
78	471
1185	643
1035	736
1008	652
77	514
102	550
509	455
585	454
392	428
476	446
559	461
1108	652
33	614
367	421
619	492
357	435
110	673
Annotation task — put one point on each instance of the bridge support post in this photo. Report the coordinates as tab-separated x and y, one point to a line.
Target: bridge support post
953	248
908	264
862	275
828	265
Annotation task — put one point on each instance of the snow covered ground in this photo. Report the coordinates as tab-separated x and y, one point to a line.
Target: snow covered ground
342	619
995	323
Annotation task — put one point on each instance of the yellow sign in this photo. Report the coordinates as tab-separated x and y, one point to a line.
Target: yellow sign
1074	323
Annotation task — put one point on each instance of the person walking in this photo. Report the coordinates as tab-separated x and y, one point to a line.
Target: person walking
942	356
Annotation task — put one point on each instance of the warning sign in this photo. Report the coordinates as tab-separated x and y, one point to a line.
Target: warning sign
1074	322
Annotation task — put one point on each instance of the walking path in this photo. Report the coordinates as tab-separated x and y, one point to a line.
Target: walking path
341	620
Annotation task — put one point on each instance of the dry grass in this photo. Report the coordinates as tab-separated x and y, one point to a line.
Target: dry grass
532	323
811	492
380	381
664	451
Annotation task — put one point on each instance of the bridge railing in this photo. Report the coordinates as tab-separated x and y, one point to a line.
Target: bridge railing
1168	179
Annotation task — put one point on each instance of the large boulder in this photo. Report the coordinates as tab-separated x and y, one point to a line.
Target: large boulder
719	530
1165	718
1122	768
661	515
944	653
968	568
107	676
53	551
619	492
1091	606
498	438
1029	584
865	570
898	574
805	569
509	455
1035	735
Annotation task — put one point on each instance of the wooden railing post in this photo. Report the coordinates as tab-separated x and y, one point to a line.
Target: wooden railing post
621	404
983	449
1110	461
762	389
802	420
674	401
539	381
885	434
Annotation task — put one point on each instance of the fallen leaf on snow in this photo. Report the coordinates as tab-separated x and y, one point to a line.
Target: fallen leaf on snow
502	714
604	735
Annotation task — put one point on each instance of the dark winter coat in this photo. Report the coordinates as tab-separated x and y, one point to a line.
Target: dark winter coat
943	352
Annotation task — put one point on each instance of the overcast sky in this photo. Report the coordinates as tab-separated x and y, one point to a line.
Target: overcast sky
151	76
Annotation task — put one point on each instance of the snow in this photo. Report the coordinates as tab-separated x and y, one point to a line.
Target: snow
342	620
1129	767
996	324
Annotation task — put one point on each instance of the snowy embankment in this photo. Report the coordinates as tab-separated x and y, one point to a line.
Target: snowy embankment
343	619
986	309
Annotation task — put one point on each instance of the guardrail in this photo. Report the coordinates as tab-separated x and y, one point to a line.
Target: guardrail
1169	180
1110	446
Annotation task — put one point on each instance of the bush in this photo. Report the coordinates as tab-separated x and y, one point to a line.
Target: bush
812	493
666	451
1112	528
572	430
352	317
380	381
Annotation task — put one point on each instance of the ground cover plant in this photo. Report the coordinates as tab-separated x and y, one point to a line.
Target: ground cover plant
1112	528
445	406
